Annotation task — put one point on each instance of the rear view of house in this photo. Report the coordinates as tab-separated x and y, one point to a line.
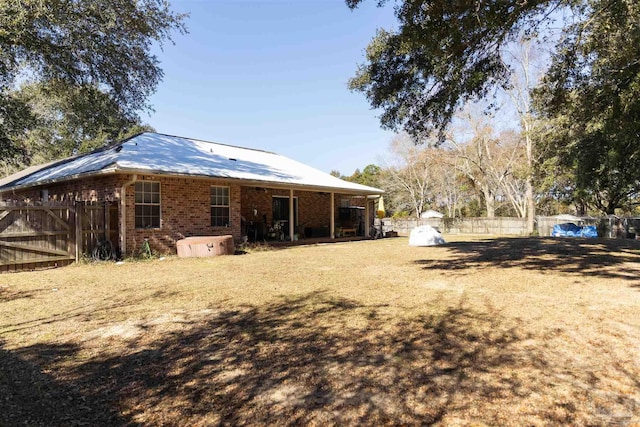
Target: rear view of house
158	189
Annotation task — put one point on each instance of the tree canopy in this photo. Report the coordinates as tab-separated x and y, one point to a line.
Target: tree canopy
91	58
69	120
446	53
592	92
443	54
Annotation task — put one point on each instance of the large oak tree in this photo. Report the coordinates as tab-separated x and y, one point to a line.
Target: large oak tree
592	94
445	53
91	58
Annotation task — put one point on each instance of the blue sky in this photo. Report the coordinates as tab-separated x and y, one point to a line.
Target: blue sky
272	75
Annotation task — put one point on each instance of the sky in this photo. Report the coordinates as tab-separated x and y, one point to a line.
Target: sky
272	75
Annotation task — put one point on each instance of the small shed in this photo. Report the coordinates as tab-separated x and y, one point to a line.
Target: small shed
431	214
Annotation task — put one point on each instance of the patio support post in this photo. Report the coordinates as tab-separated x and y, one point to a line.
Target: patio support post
291	217
366	216
332	219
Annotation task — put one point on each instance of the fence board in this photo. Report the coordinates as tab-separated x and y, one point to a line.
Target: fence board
607	226
498	226
65	225
36	261
37	247
35	236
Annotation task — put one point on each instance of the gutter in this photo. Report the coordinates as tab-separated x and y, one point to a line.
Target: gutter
374	192
242	181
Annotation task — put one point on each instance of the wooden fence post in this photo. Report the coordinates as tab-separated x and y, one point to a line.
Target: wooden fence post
78	229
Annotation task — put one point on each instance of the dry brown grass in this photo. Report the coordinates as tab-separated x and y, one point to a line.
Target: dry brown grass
477	332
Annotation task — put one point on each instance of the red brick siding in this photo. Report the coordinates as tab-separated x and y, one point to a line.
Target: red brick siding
96	188
185	206
185	210
259	199
313	207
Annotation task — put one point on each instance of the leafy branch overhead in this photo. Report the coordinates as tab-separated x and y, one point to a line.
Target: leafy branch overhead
80	46
443	54
87	43
592	92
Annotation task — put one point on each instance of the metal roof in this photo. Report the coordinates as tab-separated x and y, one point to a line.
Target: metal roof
155	153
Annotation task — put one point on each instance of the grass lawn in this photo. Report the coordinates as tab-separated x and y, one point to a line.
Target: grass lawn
480	331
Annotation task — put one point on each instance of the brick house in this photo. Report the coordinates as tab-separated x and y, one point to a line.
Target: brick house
166	188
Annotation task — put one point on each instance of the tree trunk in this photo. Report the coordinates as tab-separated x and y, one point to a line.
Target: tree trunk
610	209
581	208
489	201
531	206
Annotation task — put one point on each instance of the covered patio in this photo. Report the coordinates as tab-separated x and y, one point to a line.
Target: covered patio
296	214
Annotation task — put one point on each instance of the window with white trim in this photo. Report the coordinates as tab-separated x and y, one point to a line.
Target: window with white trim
147	204
220	206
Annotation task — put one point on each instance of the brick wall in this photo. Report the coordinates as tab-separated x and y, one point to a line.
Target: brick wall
313	207
185	210
185	206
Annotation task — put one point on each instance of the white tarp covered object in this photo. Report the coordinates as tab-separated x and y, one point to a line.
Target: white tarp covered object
425	235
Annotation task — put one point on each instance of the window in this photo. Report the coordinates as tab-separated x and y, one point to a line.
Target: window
147	204
219	206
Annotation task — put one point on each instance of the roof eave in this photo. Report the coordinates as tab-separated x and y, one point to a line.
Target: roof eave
246	182
261	183
258	183
111	169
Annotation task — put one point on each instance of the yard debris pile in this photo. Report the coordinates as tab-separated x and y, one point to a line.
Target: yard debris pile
425	235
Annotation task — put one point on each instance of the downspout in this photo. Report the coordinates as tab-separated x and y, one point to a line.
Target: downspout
123	214
332	218
292	219
367	224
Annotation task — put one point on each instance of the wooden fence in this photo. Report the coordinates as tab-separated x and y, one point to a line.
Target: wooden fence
611	227
49	235
98	222
498	226
36	236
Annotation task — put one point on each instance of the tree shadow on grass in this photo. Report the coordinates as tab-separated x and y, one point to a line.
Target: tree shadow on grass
80	313
31	397
607	258
305	360
7	294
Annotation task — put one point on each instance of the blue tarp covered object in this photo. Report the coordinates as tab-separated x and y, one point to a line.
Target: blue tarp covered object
569	229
